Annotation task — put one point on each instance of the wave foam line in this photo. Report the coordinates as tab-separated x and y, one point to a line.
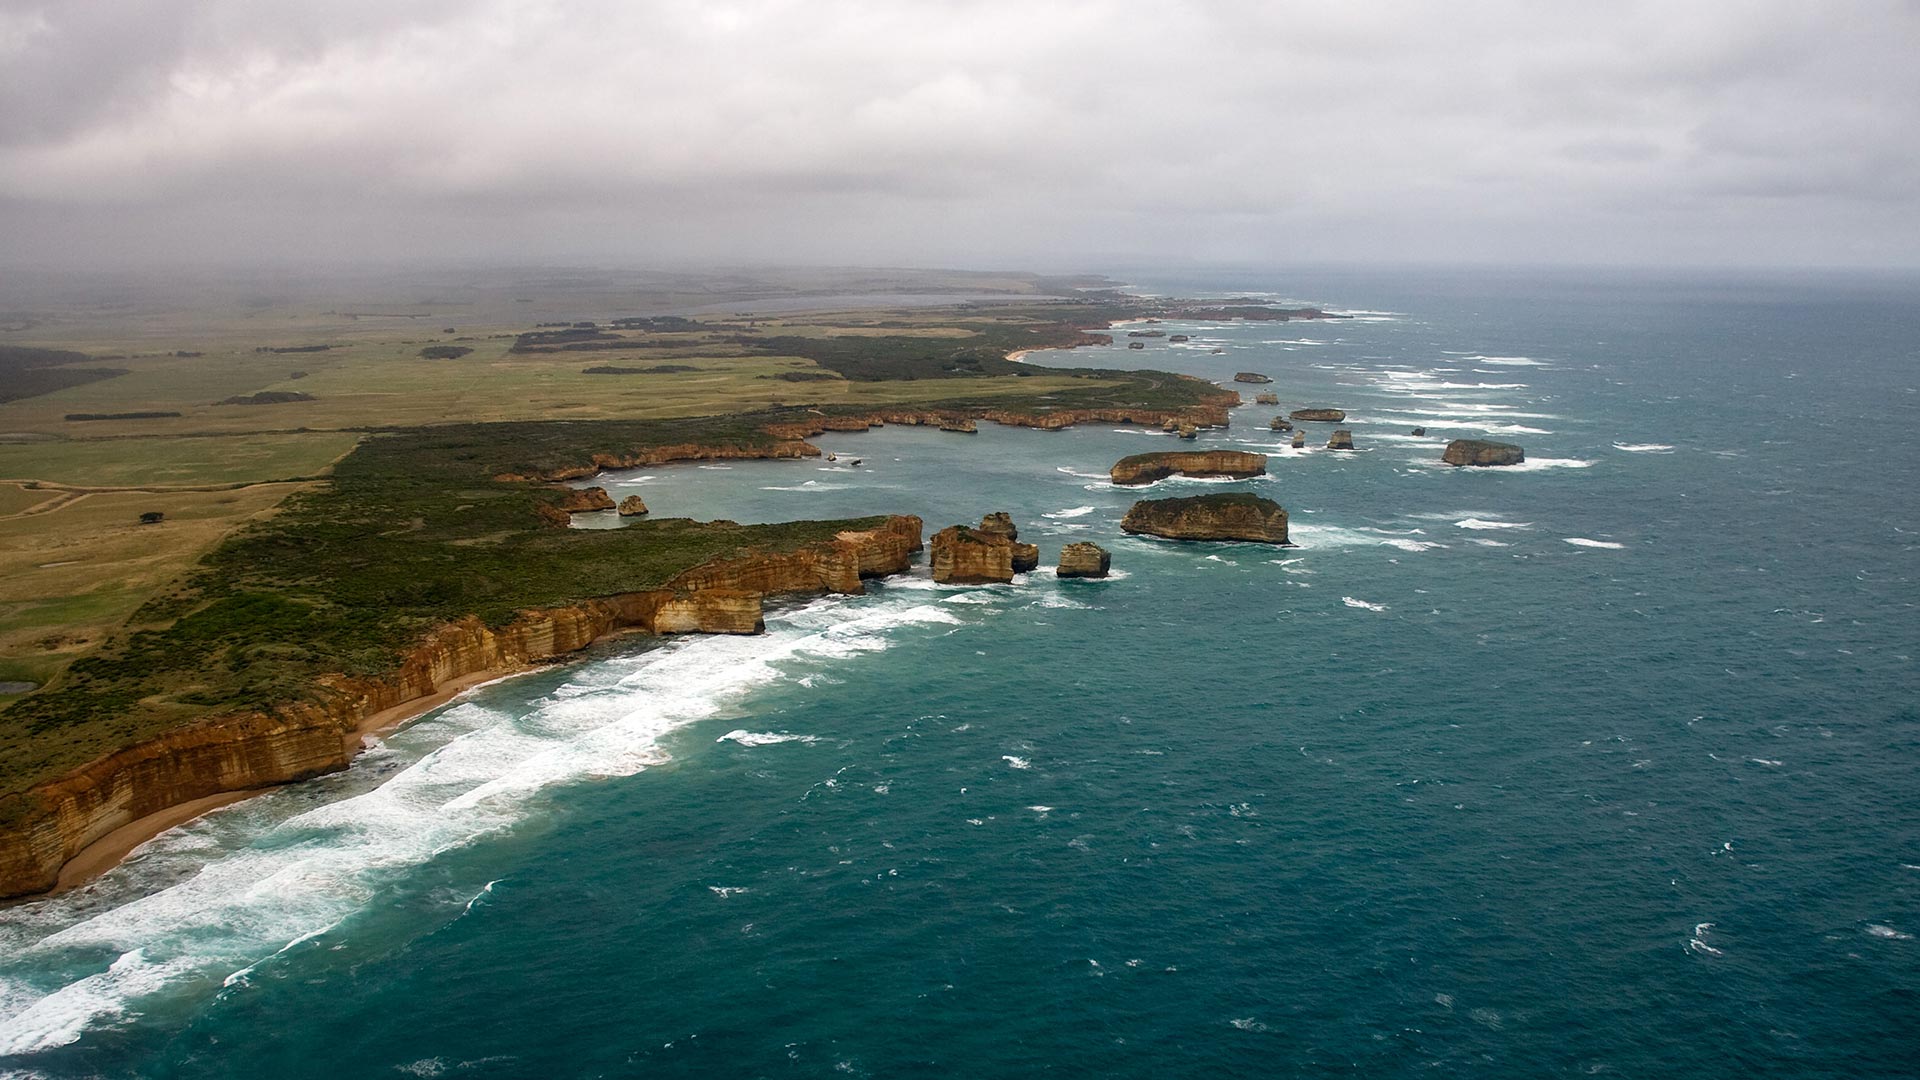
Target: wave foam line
478	771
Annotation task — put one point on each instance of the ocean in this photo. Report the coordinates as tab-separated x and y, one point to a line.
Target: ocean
1601	765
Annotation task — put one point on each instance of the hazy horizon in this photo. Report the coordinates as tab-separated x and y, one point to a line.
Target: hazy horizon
986	134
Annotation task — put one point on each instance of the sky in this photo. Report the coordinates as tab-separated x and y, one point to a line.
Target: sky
1033	134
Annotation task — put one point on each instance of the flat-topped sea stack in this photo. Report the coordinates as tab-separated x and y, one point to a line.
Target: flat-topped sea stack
1281	423
1268	398
1321	416
632	506
967	556
1231	516
1483	453
1340	440
1250	377
1146	468
1084	560
1299	440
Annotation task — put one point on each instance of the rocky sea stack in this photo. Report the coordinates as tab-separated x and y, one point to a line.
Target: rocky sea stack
632	506
1482	452
1231	516
969	556
1146	468
1250	377
1341	440
1084	560
1324	416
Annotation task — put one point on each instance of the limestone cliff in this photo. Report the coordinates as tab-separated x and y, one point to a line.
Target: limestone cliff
1084	560
1481	452
967	556
581	500
42	828
1231	516
1146	468
1211	414
661	455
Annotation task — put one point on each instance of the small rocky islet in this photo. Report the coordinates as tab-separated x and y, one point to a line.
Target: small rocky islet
1227	516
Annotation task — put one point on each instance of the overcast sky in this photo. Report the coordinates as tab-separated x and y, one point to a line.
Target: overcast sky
1025	133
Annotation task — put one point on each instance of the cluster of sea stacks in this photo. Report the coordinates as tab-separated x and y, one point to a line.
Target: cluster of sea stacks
992	553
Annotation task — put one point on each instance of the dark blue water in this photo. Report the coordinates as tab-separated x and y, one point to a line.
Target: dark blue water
1602	765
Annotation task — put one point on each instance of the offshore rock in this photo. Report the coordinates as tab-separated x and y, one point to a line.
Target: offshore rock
1281	423
1340	440
1233	516
1420	431
1136	344
1026	557
580	500
1178	338
1482	452
965	556
1268	398
963	425
632	506
1084	560
1250	377
1188	431
1299	440
1324	416
1146	468
1000	523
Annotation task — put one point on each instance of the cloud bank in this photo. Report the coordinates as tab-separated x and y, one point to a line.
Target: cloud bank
960	131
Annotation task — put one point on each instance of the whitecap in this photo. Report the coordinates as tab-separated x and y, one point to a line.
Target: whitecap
1488	543
724	891
1073	512
1581	541
1413	545
1488	523
1356	603
476	769
1881	930
1644	448
1016	762
764	738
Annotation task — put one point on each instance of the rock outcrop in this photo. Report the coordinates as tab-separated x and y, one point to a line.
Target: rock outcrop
581	500
50	823
1136	344
1084	560
1420	432
1211	414
1281	423
1188	431
1250	377
1268	398
1299	440
1323	416
1026	557
1482	452
1146	468
1340	440
1179	338
1232	516
632	506
967	556
964	425
1000	523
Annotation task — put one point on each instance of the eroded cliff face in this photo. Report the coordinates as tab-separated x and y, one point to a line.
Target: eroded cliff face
42	828
1210	517
1146	468
965	556
1481	452
661	455
1213	414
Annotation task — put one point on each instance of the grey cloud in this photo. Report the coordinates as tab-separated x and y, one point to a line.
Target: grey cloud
981	130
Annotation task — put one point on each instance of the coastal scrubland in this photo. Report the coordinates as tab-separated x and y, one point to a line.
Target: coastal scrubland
300	538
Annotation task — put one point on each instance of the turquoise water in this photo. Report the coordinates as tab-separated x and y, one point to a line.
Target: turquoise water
1602	765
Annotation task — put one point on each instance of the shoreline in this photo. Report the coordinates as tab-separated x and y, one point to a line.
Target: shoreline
90	862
